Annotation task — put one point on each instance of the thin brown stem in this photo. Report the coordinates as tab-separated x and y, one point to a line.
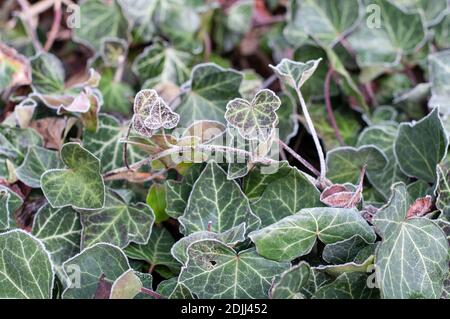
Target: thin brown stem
57	16
151	293
331	117
299	158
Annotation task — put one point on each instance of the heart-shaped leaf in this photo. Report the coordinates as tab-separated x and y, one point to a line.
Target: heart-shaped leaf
250	275
80	184
420	146
295	235
412	260
293	73
117	223
289	284
216	204
25	268
254	120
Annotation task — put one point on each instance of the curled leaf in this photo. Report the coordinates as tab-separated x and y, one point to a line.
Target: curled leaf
420	207
15	69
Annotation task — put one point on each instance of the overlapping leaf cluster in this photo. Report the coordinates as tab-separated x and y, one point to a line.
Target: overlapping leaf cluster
226	149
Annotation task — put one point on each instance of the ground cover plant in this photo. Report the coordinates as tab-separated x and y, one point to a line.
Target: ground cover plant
224	149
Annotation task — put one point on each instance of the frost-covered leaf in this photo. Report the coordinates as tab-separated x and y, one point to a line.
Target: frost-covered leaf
211	87
412	260
420	146
127	286
432	10
286	196
344	164
26	271
216	204
295	235
327	21
99	20
215	270
156	251
99	261
230	237
293	73
439	68
15	69
347	286
80	184
345	251
254	120
160	63
291	281
9	204
443	190
59	229
386	34
172	289
383	137
37	161
105	144
117	223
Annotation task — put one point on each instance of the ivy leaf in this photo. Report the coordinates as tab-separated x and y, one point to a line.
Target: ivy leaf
116	95
287	123
383	137
210	90
99	20
433	11
254	120
439	68
441	33
295	74
248	276
327	21
112	50
156	251
10	202
59	229
117	223
230	237
25	267
172	289
216	204
160	63
345	251
388	34
105	144
286	196
156	199
412	260
344	164
14	142
177	192
80	185
295	235
420	146
443	190
127	286
37	161
101	260
291	281
15	68
351	285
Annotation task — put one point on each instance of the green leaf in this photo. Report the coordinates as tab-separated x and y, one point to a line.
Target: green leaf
387	34
59	229
37	161
441	33
291	281
347	286
156	251
79	185
254	120
99	20
443	190
420	146
216	204
156	199
383	137
239	16
127	286
105	144
48	74
432	10
214	270
90	265
177	192
286	196
14	142
345	251
172	289
412	260
295	74
287	121
116	95
10	202
117	223
295	235
327	21
26	271
439	68
230	237
211	89
160	63
344	164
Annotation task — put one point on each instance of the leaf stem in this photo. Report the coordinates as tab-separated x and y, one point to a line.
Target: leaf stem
57	16
313	132
299	158
331	117
151	293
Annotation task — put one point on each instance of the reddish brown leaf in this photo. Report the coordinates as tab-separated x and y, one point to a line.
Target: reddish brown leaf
103	288
16	65
420	207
